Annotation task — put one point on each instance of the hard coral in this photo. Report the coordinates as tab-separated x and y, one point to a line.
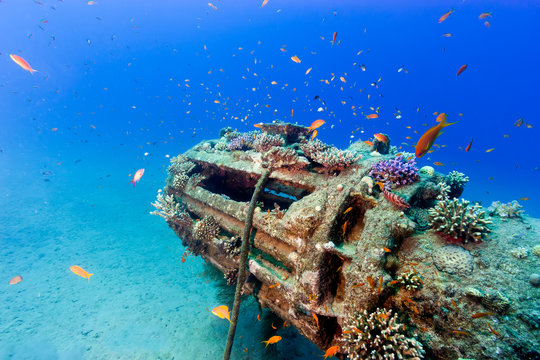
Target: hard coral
410	280
510	210
395	172
453	259
181	165
206	229
328	156
168	208
278	157
264	142
243	141
456	181
378	335
459	221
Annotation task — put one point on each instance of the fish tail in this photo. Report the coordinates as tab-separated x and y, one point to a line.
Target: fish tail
88	276
32	71
266	342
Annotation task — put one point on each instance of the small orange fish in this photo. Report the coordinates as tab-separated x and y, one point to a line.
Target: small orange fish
334	37
316	319
273	285
386	249
285	324
447	35
357	285
445	16
308	71
296	59
454	303
272	340
493	330
481	315
222	312
368	143
381	137
490	150
380	185
344	228
264	3
462	333
487	24
138	175
524	198
258	126
383	316
438	163
380	284
484	15
15	280
314	135
258	317
22	63
468	148
370	281
80	271
348	209
426	141
316	124
331	351
273	327
461	69
372	116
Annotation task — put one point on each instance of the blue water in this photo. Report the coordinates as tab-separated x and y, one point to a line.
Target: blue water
112	80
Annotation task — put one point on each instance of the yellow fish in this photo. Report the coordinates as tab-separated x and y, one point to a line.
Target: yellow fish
80	271
222	312
272	340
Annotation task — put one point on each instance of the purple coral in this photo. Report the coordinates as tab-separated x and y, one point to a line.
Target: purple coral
395	172
242	142
328	156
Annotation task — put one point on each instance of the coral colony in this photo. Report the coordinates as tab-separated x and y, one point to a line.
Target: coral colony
377	273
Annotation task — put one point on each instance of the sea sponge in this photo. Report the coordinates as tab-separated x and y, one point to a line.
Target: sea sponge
378	335
457	220
453	259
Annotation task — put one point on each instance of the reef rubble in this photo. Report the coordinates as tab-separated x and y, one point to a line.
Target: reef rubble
336	258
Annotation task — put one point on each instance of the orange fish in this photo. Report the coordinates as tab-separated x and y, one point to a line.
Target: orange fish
370	281
296	59
426	141
490	150
80	271
348	209
331	351
222	312
445	16
344	228
138	175
487	24
22	63
15	280
468	148
484	15
334	37
386	249
264	3
447	35
381	137
357	285
463	333
461	69
438	163
368	143
372	116
316	124
258	126
481	315
272	340
314	135
493	330
273	285
316	319
524	198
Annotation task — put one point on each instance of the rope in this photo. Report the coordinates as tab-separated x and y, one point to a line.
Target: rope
243	259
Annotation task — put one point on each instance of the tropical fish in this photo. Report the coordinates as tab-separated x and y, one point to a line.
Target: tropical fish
308	71
426	141
273	285
468	148
77	270
447	35
396	199
264	3
138	175
386	249
461	69
484	15
296	59
22	63
493	330
15	280
487	24
331	351
367	142
518	122
445	16
481	315
316	124
334	37
348	209
490	150
381	137
314	135
438	163
272	340
258	126
524	199
222	312
372	116
316	319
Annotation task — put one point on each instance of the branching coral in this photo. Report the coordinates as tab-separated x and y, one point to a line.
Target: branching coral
395	172
180	181
168	208
206	229
243	141
459	221
264	142
378	335
283	157
328	156
181	165
230	246
456	181
410	280
510	210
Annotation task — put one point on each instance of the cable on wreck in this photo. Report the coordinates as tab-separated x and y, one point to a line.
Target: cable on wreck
243	260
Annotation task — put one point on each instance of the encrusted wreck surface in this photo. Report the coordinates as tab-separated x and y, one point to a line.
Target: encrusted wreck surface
330	251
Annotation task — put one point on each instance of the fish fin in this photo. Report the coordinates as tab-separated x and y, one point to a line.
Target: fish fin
32	71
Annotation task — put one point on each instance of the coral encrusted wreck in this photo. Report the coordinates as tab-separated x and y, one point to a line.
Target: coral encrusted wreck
338	260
